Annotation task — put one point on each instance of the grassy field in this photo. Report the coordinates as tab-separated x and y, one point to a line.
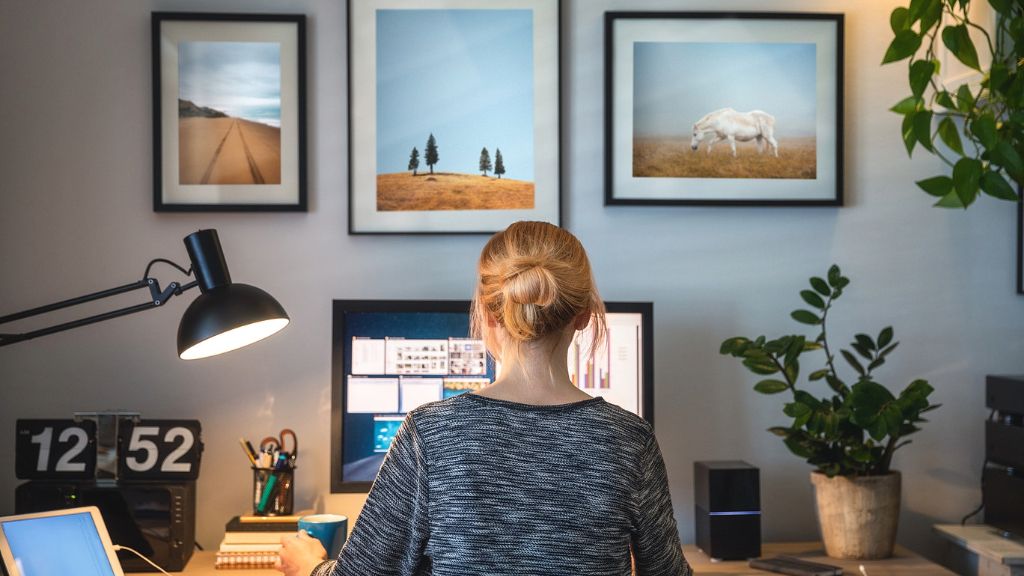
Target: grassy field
448	191
673	158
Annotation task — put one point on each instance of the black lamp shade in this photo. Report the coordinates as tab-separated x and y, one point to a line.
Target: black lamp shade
226	318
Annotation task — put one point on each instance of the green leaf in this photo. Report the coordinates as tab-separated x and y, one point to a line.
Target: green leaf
834	275
796	409
899	19
932	14
945	100
967	179
852	361
779	431
950	135
762	368
798	447
862	350
936	186
958	40
812	298
877	429
993	184
805	317
950	200
907	105
920	73
984	127
865	341
923	128
917	9
1002	6
734	346
771	386
836	385
888	350
964	98
818	375
821	286
876	363
884	337
1004	155
907	131
792	370
904	45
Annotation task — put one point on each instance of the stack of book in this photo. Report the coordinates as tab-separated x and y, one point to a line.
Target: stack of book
253	541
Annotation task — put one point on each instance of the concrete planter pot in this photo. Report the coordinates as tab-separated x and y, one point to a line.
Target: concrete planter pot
858	515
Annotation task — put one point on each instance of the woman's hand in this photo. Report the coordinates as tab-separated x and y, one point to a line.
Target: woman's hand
300	554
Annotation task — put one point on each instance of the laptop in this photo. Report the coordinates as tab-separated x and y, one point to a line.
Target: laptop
71	541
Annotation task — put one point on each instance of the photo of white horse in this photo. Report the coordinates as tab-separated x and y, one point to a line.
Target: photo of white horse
724	110
728	124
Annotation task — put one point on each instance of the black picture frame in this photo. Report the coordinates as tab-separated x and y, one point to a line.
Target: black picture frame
286	190
364	219
339	400
623	188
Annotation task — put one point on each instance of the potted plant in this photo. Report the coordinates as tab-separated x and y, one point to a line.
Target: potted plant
980	123
850	434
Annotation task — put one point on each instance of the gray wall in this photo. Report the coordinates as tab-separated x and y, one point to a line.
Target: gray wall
75	215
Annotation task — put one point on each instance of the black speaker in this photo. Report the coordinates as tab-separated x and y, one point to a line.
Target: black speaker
728	509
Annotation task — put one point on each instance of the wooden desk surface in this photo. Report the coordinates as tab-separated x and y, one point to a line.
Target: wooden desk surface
903	563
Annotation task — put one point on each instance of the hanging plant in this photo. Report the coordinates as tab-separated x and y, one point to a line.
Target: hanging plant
981	127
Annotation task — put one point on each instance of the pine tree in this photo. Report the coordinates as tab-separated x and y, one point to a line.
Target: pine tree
485	161
499	163
414	160
431	154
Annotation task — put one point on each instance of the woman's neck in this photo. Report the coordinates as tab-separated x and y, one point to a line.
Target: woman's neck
536	373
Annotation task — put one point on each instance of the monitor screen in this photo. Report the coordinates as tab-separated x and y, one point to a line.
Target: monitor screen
60	544
391	356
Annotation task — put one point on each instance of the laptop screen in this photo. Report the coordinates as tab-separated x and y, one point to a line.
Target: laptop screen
66	544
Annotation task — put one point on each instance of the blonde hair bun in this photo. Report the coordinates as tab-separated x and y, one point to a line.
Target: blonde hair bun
535	280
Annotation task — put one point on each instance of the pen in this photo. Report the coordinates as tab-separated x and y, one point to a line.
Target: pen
246	448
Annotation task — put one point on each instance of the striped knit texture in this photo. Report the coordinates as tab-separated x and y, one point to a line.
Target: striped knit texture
474	485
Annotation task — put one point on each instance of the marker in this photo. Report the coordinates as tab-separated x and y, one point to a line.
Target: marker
248	453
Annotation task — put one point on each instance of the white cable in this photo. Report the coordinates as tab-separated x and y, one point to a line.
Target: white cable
139	554
862	570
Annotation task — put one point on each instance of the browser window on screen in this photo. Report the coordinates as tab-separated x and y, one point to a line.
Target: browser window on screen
57	545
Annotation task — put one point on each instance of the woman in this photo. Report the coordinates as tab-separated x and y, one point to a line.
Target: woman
529	475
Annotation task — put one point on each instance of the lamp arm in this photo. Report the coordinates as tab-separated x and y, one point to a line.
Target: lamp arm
157	298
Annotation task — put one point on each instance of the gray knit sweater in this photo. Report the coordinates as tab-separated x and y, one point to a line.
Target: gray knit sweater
479	486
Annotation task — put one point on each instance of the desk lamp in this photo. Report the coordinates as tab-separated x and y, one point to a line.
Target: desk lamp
224	317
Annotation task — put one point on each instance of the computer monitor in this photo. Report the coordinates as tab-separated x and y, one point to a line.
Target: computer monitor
391	356
71	541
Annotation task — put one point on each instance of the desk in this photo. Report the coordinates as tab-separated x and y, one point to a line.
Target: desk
903	563
979	550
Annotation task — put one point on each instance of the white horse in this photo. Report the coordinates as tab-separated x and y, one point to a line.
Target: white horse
728	124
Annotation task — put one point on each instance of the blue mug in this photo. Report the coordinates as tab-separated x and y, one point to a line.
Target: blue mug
330	529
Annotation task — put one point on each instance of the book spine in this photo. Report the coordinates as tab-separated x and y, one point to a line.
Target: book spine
243	560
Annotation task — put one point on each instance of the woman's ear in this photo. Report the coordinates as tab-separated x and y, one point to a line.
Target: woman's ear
581	320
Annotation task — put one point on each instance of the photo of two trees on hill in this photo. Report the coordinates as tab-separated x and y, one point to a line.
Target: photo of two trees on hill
459	94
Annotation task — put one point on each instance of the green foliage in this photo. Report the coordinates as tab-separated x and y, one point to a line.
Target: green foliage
499	163
856	430
485	161
981	127
431	155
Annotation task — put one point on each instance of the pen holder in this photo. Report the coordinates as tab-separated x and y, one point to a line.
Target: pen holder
273	491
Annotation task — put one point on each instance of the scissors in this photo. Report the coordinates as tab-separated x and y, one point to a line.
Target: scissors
272	443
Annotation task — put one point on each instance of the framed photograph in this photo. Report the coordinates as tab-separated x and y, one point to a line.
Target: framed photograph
453	115
229	112
716	108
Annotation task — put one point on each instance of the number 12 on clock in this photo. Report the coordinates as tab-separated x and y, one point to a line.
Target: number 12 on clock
55	449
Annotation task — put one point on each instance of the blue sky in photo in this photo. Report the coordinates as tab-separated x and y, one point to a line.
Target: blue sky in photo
241	79
464	75
677	83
